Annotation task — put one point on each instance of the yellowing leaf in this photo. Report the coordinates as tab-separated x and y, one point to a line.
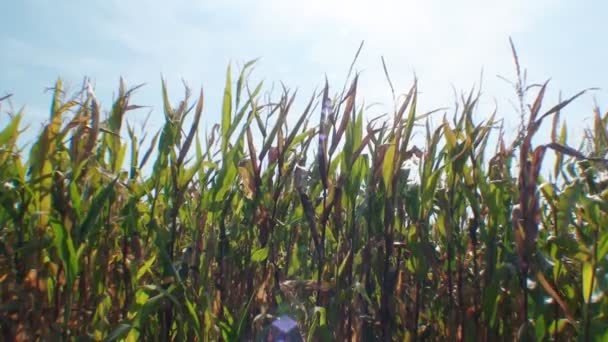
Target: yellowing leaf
388	166
145	267
450	137
587	280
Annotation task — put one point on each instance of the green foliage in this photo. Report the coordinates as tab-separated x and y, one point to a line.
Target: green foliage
357	231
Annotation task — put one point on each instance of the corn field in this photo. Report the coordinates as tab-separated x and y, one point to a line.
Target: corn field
360	229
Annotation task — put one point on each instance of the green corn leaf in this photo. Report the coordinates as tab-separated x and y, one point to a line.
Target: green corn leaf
275	129
294	131
65	248
169	114
411	119
193	315
241	113
145	268
89	225
602	249
227	111
242	78
148	153
294	262
120	331
260	255
9	133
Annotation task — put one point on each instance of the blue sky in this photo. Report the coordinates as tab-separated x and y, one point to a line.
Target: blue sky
446	44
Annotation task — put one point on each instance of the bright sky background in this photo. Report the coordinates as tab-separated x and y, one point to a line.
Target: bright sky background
445	43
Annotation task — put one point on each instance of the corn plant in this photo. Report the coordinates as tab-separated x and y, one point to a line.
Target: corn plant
349	225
